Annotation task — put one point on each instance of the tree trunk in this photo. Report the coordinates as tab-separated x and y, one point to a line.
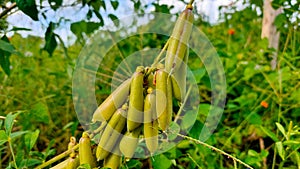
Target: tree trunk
269	30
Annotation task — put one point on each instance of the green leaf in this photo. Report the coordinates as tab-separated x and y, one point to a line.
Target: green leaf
4	55
31	138
204	109
280	149
115	19
96	4
17	133
255	119
29	8
1	122
9	121
132	163
114	4
188	120
196	130
55	4
84	27
175	129
280	20
198	74
162	8
291	142
253	153
31	162
102	4
281	129
161	162
269	133
99	16
50	39
39	113
6	46
3	137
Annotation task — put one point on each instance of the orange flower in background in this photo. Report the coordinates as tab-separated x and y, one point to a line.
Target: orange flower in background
264	104
231	31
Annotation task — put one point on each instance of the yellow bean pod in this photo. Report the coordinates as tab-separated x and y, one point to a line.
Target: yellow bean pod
150	122
150	80
136	100
179	80
72	143
179	40
114	101
85	152
73	162
113	160
164	106
169	111
129	142
61	165
111	133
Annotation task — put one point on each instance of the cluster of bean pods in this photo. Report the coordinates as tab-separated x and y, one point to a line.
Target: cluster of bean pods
141	106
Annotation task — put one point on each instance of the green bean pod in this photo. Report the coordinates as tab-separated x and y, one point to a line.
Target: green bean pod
164	106
114	101
179	40
136	100
129	142
111	133
179	80
150	80
113	160
85	152
150	122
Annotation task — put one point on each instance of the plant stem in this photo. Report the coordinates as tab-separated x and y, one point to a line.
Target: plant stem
182	105
58	157
4	12
194	160
156	61
215	149
12	152
191	2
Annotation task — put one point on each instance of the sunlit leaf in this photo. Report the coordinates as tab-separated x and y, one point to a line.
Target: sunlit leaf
161	162
280	149
3	137
17	134
31	138
269	133
9	121
281	129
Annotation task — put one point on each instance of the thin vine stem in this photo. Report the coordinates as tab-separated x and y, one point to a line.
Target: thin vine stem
58	157
156	61
184	102
194	161
191	2
215	149
12	152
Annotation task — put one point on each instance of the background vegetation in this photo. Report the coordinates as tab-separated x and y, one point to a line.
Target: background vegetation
260	124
